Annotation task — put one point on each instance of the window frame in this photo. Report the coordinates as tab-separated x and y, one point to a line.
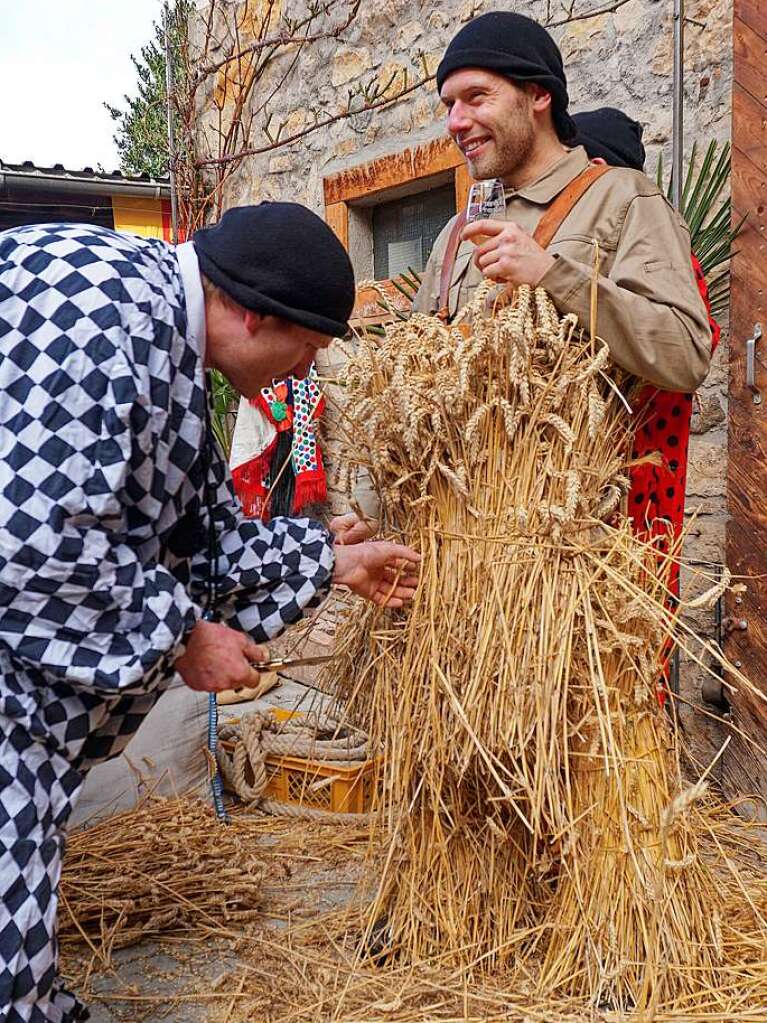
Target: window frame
373	180
391	220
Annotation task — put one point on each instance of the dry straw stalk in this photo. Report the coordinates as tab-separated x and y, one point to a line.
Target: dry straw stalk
533	801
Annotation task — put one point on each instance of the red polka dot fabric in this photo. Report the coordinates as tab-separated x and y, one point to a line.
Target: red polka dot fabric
656	497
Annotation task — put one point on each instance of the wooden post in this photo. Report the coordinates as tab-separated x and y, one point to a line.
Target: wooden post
337	218
744	769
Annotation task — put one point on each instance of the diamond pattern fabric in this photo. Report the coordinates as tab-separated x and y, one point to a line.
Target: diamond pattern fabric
103	559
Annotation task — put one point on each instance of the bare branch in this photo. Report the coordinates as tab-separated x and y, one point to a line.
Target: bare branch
280	40
209	157
280	83
377	105
594	13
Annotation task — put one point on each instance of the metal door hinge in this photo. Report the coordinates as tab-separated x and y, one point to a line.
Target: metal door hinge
756	394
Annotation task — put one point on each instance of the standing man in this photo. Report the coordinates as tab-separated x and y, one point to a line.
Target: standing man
656	500
504	88
118	523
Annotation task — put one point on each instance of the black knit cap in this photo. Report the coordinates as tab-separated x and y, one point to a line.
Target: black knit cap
611	135
280	259
518	48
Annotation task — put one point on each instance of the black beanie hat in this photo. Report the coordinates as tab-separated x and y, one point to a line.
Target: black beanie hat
280	259
612	135
518	48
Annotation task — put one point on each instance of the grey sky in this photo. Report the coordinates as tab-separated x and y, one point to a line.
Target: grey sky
60	60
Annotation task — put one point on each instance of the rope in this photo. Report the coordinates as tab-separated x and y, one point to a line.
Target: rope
211	595
259	734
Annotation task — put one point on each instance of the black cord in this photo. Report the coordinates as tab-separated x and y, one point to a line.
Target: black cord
283	491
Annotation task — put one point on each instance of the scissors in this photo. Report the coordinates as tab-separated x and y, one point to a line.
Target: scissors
282	663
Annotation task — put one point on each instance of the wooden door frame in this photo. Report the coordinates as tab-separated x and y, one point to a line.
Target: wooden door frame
744	770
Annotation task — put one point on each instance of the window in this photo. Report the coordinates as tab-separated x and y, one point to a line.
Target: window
404	230
389	211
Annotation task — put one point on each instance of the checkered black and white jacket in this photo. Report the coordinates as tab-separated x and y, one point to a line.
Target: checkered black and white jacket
102	479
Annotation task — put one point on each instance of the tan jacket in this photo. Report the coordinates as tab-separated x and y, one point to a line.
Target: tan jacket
649	309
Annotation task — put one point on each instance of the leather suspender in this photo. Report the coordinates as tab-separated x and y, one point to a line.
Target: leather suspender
547	227
565	203
448	263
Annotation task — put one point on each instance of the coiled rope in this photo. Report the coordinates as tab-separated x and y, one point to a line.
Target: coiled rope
313	737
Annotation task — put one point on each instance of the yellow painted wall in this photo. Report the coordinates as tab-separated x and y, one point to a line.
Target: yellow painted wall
142	216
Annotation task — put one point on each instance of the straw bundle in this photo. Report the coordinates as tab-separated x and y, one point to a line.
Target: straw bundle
533	790
169	865
311	973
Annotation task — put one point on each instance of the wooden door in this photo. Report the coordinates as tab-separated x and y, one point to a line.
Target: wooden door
744	769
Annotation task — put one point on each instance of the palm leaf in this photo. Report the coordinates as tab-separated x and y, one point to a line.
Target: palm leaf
225	400
407	284
709	217
707	188
688	179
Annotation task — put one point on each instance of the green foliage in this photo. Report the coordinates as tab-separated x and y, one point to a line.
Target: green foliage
225	401
142	129
710	220
408	285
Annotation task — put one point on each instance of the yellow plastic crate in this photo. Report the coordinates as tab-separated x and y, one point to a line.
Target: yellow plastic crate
317	784
321	786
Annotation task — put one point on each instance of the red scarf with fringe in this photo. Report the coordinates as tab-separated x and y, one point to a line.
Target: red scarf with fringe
290	404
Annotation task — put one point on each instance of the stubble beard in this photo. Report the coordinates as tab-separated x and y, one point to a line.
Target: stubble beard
510	150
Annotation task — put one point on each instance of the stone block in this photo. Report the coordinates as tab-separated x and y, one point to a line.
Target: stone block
470	9
707	414
707	468
428	64
705	540
662	60
295	122
424	112
348	65
391	78
581	38
346	147
708	46
408	34
438	20
718	375
631	19
281	163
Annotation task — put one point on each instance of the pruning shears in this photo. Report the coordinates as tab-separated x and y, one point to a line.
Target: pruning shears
283	663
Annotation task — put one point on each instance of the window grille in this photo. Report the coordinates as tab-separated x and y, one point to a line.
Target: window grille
404	230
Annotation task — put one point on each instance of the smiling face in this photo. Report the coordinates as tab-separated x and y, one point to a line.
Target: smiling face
491	120
251	350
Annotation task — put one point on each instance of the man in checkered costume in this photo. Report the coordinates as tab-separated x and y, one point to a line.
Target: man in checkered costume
109	482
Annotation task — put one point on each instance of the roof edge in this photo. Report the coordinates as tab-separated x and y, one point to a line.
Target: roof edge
26	177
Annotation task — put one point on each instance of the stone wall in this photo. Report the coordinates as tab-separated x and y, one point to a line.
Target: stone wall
619	59
622	59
